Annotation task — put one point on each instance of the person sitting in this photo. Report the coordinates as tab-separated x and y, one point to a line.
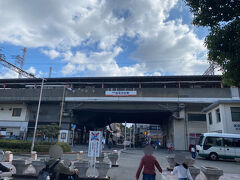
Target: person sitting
62	169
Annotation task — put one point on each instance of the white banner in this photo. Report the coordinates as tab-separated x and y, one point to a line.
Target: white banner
95	143
120	93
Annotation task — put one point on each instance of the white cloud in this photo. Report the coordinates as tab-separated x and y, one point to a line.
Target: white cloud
51	53
32	70
100	64
175	49
163	47
8	74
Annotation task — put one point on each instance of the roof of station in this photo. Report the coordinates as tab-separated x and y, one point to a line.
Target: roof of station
215	104
143	79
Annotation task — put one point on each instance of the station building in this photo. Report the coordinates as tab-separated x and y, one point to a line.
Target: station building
174	103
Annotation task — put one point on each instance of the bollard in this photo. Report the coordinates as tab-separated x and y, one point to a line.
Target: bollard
8	156
34	155
80	155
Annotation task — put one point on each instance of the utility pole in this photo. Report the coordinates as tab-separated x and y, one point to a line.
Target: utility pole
13	67
50	72
21	61
125	135
38	110
61	111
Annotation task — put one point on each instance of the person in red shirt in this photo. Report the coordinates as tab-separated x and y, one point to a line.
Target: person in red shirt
148	162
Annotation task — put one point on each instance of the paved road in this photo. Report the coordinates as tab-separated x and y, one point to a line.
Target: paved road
129	161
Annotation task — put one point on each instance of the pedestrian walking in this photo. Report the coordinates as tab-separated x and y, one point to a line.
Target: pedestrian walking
170	147
148	162
110	143
182	171
193	151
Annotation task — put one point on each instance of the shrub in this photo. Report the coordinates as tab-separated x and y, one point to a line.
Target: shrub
25	146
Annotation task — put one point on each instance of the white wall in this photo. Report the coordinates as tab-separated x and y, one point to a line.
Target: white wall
6	113
229	124
226	125
13	124
215	126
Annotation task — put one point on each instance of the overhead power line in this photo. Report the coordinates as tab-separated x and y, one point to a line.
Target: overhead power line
13	67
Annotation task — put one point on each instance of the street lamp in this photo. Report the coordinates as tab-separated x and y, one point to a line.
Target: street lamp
38	109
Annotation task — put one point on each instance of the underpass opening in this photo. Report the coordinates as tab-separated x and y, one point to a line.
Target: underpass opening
100	119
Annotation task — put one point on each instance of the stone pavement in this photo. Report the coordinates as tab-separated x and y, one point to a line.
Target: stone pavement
129	161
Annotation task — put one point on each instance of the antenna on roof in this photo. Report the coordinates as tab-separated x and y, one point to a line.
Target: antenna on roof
210	70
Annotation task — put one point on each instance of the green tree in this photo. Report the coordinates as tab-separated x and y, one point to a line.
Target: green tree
223	41
49	131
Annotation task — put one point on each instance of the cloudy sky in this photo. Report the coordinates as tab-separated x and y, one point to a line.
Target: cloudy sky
102	37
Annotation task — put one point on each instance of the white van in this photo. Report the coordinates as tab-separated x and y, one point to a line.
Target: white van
219	145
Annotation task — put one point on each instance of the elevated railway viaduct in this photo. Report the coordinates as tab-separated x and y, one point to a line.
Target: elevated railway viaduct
173	102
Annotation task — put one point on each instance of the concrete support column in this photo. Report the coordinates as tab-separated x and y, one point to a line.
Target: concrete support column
179	129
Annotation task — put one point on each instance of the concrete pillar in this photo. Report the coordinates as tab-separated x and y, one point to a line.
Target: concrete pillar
179	134
8	156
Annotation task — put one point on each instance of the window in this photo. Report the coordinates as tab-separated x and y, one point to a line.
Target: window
16	112
210	118
228	142
213	141
218	115
236	142
235	111
196	117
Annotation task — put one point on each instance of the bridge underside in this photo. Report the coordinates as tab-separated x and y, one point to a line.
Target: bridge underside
101	117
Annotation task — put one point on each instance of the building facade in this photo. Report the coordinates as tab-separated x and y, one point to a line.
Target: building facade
224	116
174	103
14	120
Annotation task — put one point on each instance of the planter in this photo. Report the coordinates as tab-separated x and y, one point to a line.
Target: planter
113	157
102	168
38	165
100	158
211	173
82	167
171	162
189	161
194	171
21	165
